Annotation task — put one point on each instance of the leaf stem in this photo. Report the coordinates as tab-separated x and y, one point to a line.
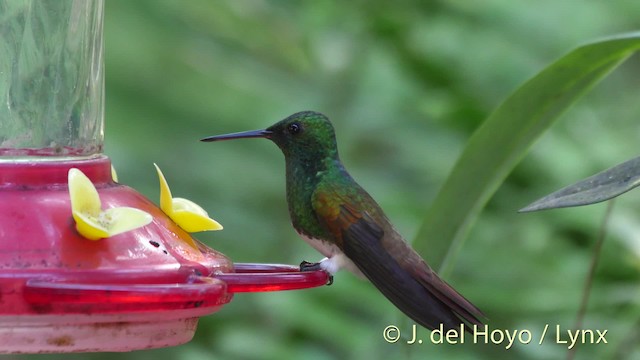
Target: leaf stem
588	284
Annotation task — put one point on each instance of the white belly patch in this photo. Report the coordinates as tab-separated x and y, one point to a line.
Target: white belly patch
334	259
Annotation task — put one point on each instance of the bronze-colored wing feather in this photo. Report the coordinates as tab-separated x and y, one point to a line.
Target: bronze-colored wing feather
383	256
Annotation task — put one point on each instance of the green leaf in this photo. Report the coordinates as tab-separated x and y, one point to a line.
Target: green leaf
602	186
503	139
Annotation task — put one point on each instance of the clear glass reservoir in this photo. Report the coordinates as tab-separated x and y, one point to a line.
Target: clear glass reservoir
51	78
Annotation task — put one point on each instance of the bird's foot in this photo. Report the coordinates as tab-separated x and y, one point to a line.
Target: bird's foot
308	266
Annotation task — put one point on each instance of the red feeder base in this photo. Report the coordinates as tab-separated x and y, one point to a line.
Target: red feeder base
142	289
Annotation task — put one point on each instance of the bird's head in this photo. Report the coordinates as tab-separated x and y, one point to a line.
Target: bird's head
304	134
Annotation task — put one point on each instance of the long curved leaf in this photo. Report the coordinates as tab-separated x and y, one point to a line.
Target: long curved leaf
503	139
602	186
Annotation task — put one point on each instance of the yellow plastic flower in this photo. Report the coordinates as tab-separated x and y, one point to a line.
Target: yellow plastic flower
187	214
91	221
114	174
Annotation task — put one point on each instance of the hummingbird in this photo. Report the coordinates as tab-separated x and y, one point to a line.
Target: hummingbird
338	218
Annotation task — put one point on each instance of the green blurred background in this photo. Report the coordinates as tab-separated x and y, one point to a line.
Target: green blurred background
405	84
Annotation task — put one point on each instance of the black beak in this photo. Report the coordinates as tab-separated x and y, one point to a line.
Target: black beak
240	135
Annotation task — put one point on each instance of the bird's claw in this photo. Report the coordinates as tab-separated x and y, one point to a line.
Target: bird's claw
308	266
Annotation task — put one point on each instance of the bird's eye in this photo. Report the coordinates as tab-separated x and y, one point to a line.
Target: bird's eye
294	128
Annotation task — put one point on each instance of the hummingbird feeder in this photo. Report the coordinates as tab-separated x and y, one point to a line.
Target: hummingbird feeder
59	292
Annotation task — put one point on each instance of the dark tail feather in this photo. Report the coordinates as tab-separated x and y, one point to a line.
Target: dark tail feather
451	299
424	297
429	304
